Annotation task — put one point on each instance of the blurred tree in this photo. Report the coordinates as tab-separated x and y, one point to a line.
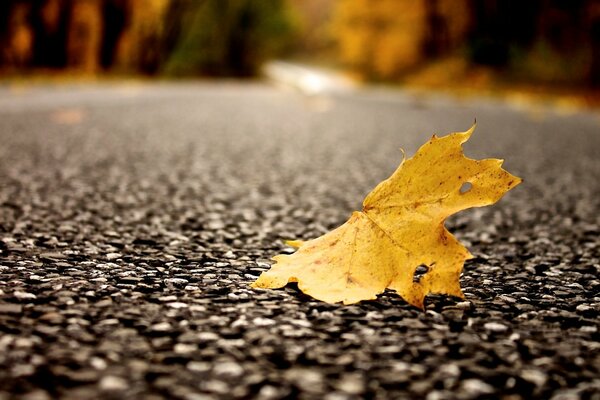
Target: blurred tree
389	37
447	22
116	14
140	42
364	29
18	35
176	36
540	40
594	72
313	37
49	22
85	35
224	38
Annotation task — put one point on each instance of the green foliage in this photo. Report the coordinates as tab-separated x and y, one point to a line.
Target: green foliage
230	38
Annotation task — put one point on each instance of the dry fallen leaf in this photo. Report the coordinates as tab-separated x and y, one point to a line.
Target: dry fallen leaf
400	228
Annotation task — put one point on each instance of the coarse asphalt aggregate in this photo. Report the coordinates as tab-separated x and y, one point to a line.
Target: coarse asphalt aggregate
134	216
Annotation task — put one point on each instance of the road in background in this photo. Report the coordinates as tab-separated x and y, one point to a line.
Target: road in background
134	216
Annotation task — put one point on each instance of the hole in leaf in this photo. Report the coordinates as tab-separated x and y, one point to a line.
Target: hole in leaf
420	272
465	187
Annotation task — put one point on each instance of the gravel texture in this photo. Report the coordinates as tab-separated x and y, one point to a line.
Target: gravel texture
133	218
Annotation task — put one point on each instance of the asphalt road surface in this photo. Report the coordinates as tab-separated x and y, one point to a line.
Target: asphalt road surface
133	217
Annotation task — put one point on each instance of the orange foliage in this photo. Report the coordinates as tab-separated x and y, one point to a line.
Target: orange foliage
20	45
86	35
143	34
388	37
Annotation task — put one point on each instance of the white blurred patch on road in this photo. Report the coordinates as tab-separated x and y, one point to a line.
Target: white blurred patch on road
310	81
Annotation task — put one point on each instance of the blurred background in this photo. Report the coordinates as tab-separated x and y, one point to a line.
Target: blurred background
432	43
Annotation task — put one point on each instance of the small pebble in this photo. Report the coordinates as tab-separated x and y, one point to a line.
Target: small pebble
113	383
495	327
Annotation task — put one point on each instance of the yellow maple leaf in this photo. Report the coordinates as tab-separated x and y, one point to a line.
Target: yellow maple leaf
400	228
